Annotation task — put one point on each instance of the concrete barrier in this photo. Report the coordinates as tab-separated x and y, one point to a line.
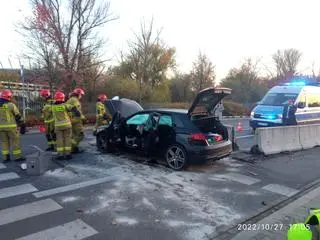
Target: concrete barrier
309	135
278	139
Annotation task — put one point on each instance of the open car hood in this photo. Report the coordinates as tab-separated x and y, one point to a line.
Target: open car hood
207	99
124	106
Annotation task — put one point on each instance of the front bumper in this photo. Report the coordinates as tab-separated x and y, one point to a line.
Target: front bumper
261	123
198	154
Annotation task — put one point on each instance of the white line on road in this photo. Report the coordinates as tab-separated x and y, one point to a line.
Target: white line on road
13	214
17	190
236	177
246	136
75	230
72	187
2	166
8	176
280	189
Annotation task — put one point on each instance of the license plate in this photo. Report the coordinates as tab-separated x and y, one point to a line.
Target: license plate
263	124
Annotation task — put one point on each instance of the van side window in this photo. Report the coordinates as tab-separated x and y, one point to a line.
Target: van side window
302	98
313	100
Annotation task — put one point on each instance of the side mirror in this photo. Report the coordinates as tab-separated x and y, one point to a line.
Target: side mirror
301	105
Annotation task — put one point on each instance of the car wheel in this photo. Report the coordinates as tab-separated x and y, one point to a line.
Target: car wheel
176	157
101	143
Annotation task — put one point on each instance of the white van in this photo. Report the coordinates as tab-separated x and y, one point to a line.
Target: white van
271	109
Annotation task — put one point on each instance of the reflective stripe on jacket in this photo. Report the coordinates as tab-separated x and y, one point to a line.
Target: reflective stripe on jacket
47	112
8	115
61	117
76	118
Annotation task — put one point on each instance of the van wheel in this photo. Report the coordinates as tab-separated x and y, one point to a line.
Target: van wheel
176	157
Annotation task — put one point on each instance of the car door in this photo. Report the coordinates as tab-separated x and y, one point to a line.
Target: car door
313	110
165	130
301	113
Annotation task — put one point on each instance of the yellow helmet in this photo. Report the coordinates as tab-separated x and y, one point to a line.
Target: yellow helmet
299	231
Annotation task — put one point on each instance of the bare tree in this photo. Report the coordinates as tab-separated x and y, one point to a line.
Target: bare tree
203	73
65	33
149	58
286	62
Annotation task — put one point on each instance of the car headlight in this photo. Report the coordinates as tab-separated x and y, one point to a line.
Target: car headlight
279	116
252	114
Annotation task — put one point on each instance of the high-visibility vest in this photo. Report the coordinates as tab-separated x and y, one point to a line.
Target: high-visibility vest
61	117
74	102
47	112
8	114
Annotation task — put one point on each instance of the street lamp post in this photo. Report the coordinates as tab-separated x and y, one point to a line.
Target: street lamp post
23	93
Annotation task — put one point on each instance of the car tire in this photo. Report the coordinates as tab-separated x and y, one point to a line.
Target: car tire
176	157
102	145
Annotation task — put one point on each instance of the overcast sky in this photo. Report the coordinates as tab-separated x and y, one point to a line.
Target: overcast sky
226	30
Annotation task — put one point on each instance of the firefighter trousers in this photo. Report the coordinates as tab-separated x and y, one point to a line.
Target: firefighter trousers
10	139
63	141
50	134
77	134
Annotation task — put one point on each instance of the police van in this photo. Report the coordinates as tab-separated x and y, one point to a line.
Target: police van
272	110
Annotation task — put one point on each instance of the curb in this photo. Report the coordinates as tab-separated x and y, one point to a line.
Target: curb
263	212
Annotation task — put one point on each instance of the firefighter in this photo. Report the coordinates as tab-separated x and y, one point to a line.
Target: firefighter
62	125
48	119
102	116
9	135
77	120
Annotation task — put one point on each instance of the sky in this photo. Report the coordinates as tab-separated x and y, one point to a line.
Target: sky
228	31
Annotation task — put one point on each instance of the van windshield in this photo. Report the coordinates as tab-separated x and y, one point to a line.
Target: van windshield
278	99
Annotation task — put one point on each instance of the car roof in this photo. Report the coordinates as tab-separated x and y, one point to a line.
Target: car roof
293	89
167	110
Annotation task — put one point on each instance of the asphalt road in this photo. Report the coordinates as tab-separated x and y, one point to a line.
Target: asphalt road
124	197
244	137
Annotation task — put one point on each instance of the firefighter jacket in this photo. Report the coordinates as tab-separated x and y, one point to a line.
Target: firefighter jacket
9	116
102	116
60	112
76	116
47	115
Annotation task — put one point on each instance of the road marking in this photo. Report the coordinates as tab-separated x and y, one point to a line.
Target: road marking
8	176
72	187
237	177
75	230
2	166
17	190
280	189
246	136
13	214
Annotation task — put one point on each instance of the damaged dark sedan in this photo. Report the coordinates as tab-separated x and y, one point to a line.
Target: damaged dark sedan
179	136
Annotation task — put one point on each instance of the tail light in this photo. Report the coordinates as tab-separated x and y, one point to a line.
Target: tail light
197	138
218	138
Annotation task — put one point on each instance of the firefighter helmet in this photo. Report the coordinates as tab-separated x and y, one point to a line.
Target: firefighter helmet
102	97
45	93
59	97
78	91
6	94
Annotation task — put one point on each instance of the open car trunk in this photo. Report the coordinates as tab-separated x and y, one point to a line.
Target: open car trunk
202	111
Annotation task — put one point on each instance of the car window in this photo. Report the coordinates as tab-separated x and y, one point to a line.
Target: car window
138	119
313	100
165	120
178	122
